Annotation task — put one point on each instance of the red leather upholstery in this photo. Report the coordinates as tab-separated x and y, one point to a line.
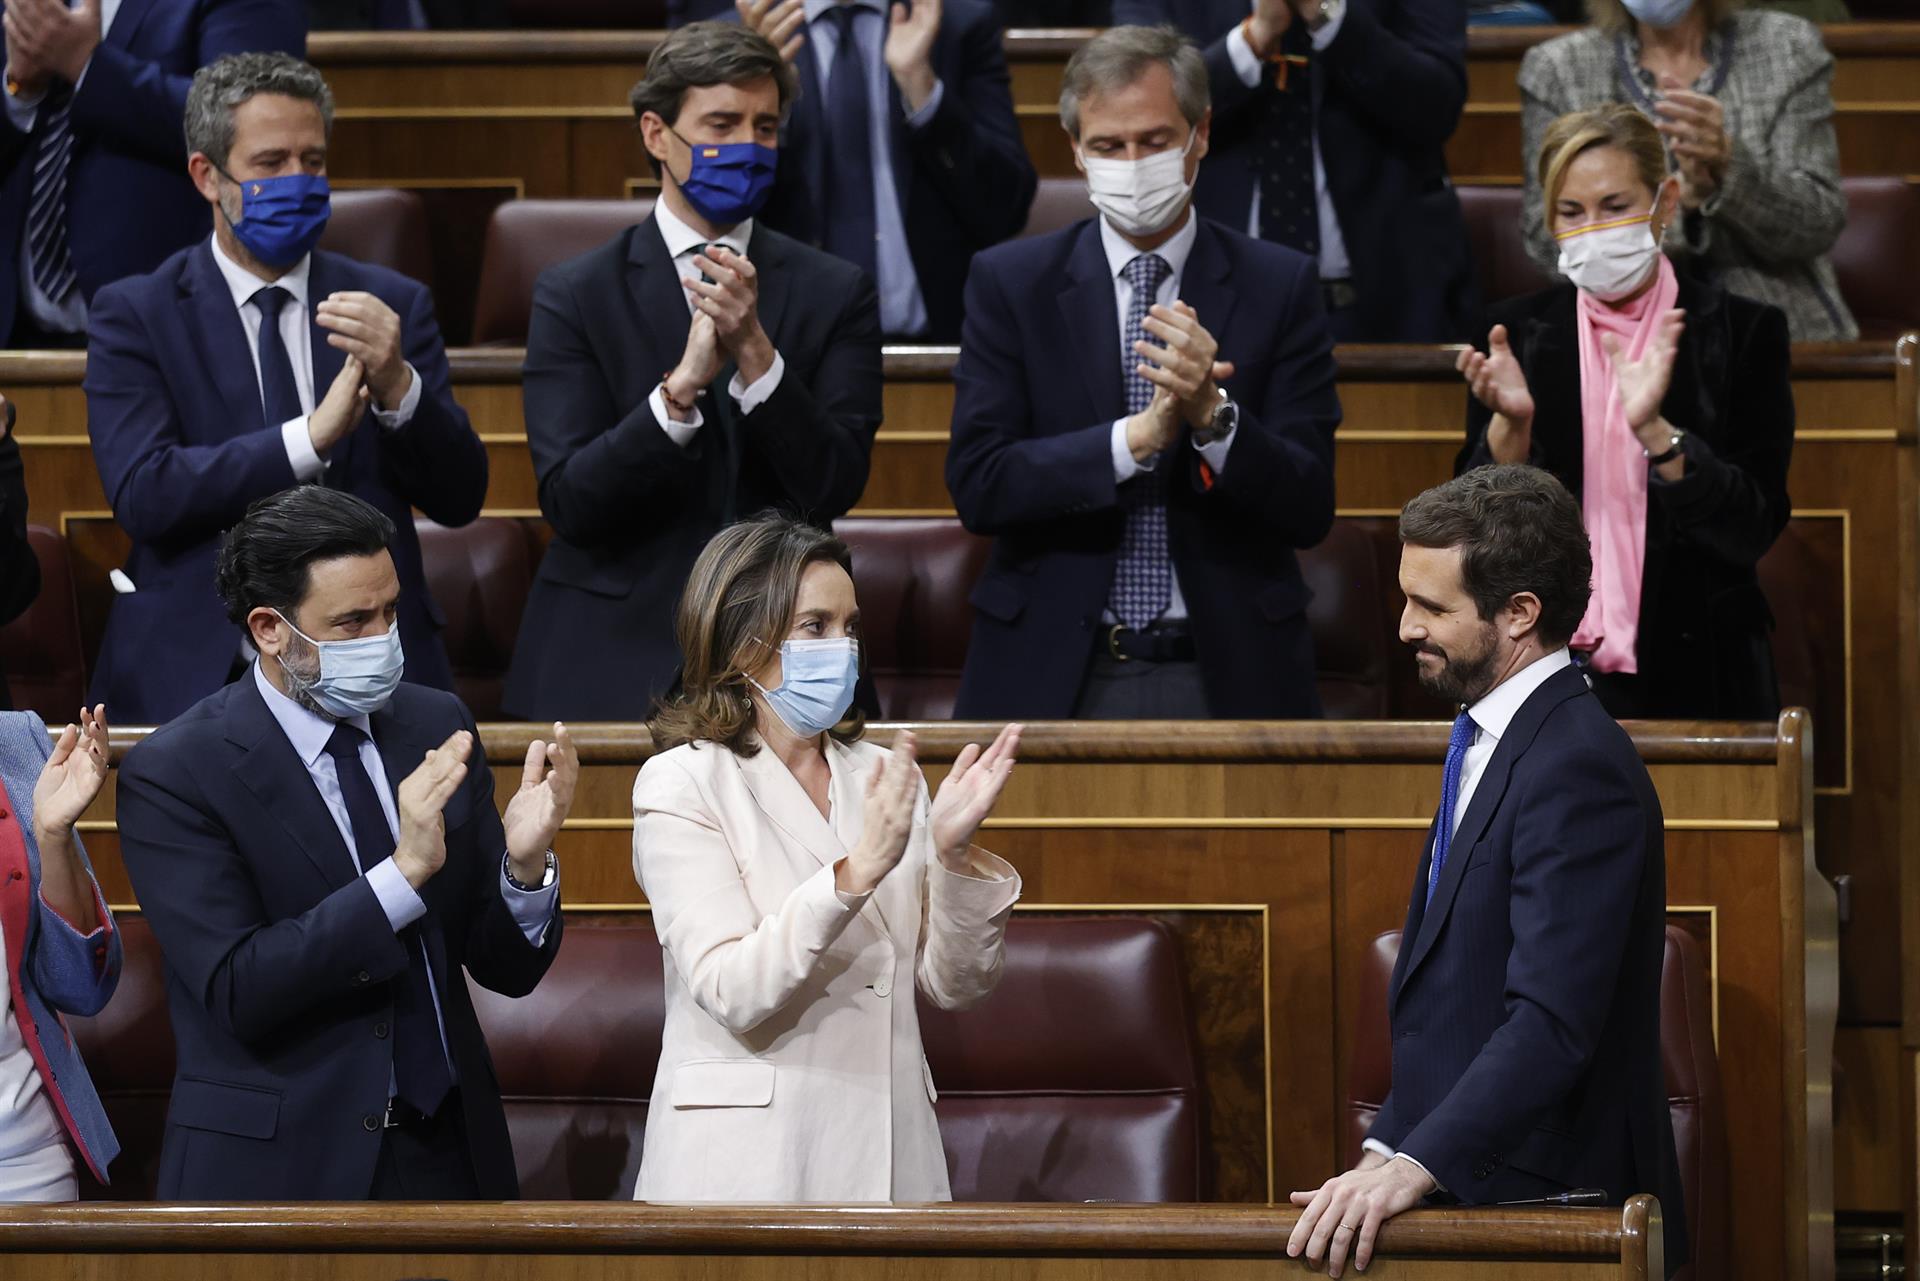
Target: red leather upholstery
913	576
479	575
1350	646
1877	257
1077	1079
1687	1055
40	651
524	238
385	226
1057	203
1499	253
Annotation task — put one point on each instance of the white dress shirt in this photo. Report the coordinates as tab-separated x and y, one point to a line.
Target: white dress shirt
1491	716
35	1162
1120	252
682	243
1334	263
296	335
68	316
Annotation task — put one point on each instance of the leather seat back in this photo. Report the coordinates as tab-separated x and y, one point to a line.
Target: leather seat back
913	576
1493	234
386	226
1350	627
479	575
1877	258
524	238
40	651
1057	203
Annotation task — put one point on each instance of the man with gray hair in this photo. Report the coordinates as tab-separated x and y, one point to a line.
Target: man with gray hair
246	364
1144	420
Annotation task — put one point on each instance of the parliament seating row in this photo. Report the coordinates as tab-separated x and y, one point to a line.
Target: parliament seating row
1876	258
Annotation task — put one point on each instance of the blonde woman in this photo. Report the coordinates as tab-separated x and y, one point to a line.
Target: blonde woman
803	886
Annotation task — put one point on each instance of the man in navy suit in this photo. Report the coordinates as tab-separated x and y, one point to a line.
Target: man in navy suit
91	144
251	362
1143	418
942	172
317	849
1525	1004
1331	122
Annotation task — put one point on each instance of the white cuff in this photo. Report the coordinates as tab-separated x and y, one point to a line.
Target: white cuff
398	899
307	464
1246	63
1378	1148
1125	466
1336	14
1215	454
679	433
919	119
22	111
751	398
532	910
396	418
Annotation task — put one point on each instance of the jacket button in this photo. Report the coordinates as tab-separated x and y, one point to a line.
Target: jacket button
362	977
884	987
1483	1171
3	812
369	1122
380	1031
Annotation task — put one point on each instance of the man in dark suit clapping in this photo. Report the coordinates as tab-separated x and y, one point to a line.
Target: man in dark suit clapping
697	368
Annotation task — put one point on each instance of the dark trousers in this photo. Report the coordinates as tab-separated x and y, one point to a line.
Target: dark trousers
427	1161
1140	690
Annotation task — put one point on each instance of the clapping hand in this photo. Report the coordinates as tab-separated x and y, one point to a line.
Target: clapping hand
892	792
537	810
421	800
1694	125
364	327
908	51
968	793
46	38
71	778
778	20
1182	363
732	301
1498	382
1642	383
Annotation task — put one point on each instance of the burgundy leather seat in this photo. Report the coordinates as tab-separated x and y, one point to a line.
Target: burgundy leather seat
1686	1053
385	226
913	576
40	651
1493	235
479	575
1877	258
1057	203
1350	651
524	238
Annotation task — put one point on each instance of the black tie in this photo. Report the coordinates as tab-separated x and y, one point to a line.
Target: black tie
279	394
851	222
1289	212
420	1073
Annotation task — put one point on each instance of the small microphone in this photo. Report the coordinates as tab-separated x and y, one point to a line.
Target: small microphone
1579	1196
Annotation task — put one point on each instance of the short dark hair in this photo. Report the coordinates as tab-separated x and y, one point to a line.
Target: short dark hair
1518	530
264	560
708	53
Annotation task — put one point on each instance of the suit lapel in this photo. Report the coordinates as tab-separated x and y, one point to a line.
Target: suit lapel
1205	285
127	22
326	361
278	779
214	324
781	798
660	304
770	262
1091	319
850	822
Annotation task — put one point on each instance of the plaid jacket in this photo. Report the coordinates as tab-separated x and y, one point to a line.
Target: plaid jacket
1766	232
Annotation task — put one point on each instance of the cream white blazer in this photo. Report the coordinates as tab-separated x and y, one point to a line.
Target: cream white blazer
790	1066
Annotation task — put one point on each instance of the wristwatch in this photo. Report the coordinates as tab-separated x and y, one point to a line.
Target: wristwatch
1225	417
1676	445
546	878
1321	15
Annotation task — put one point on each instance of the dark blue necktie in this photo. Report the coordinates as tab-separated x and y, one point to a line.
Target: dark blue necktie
1449	796
420	1073
852	224
47	247
1143	575
1283	160
279	394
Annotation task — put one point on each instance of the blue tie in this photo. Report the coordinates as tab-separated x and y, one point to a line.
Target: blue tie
1143	575
1449	795
420	1073
48	251
852	225
279	394
1283	159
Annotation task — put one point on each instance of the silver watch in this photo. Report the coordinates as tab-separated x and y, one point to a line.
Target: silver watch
1225	417
1675	444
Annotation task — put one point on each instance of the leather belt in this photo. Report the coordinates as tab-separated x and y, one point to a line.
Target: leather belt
1165	643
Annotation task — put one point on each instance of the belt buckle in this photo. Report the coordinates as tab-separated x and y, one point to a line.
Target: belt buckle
1113	643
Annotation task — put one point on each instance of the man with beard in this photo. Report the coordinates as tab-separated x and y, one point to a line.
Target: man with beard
1525	1002
317	850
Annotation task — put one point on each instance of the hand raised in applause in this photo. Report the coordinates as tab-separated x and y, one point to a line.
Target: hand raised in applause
733	303
1642	383
48	38
71	778
1498	382
341	409
1695	126
699	365
908	51
537	810
363	326
780	21
892	791
422	800
968	794
1181	365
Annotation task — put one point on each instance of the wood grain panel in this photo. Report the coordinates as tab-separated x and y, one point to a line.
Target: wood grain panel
1867	1133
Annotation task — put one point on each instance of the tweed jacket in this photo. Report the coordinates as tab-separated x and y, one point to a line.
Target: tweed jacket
1766	232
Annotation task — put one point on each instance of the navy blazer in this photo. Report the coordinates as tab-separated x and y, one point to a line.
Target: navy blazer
129	200
1387	95
963	178
280	958
630	509
1525	1004
1037	389
174	411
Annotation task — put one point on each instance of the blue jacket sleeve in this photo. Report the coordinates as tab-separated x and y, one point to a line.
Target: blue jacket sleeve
435	461
972	150
75	972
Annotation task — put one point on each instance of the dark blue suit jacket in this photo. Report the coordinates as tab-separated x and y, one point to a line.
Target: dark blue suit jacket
279	957
129	200
1525	1004
173	408
1388	93
1037	389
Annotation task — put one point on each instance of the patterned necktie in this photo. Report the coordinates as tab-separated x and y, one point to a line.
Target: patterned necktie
852	224
1457	745
47	207
279	393
1143	576
1283	160
420	1073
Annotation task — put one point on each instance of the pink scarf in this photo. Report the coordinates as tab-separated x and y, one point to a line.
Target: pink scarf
1614	484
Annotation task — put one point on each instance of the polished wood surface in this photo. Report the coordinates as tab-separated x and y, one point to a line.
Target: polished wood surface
569	1240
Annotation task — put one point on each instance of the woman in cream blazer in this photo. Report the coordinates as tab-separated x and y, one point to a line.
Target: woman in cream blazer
804	886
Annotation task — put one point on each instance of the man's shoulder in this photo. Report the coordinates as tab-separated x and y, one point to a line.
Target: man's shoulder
181	744
604	264
1268	260
1577	733
1036	260
392	287
429	708
801	260
163	282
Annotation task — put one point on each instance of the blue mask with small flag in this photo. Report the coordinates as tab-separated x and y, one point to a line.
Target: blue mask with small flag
281	219
728	181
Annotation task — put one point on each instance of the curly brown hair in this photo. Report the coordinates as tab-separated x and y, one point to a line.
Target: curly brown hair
739	601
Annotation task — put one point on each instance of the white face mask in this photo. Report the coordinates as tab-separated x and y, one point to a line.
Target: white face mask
1610	259
1141	197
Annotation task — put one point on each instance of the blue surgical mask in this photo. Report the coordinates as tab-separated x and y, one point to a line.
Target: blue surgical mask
817	678
357	676
1659	13
728	182
281	219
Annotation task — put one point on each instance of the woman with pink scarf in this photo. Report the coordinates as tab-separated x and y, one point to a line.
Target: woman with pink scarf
1663	401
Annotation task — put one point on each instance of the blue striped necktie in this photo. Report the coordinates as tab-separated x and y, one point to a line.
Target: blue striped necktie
47	207
1457	745
1143	575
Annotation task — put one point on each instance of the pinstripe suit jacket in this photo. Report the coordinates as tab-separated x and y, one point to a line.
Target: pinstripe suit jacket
1766	232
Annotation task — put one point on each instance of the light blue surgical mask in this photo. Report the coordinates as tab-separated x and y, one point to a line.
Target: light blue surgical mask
1659	13
817	679
357	676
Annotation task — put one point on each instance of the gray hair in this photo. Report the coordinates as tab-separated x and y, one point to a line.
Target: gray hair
708	53
225	83
1119	56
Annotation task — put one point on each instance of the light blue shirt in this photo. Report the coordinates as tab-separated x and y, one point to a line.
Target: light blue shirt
902	309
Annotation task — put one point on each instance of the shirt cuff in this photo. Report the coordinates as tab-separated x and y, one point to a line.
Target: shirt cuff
532	910
918	119
396	418
1215	454
22	111
1246	63
1336	14
751	398
852	902
307	464
1378	1148
1125	466
679	433
398	899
